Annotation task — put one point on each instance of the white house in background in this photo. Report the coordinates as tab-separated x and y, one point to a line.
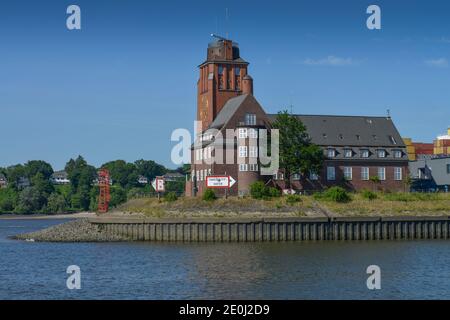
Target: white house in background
3	181
173	176
142	180
60	177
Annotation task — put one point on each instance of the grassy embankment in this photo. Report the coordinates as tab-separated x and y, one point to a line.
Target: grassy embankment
382	204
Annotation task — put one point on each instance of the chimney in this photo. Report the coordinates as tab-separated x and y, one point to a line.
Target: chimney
448	131
247	85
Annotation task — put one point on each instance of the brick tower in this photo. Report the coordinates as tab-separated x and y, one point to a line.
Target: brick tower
222	76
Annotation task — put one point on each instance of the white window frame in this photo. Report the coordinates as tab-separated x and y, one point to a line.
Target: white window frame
398	173
253	133
381	153
348	173
381	172
365	153
243	167
242	133
331	173
365	173
398	154
253	167
348	153
253	151
331	153
250	119
243	152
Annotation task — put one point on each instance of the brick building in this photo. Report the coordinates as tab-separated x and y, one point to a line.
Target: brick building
357	148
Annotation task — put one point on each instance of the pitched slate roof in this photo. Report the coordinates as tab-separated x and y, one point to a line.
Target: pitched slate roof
329	130
228	110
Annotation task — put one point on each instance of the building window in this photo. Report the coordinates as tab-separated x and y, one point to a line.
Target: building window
348	153
242	151
242	133
382	173
221	84
253	152
448	169
365	173
253	133
198	175
201	175
237	78
348	172
296	177
398	173
313	176
243	167
381	153
364	153
398	154
331	173
331	153
250	119
253	167
209	171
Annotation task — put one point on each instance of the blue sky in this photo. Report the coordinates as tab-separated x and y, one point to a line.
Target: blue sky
117	88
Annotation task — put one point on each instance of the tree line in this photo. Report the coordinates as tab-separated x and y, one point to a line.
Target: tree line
30	188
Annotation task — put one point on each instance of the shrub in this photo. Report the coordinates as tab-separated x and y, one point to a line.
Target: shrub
292	199
257	190
209	195
337	194
273	192
170	196
369	195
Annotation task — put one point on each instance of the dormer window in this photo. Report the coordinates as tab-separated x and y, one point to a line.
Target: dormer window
250	119
381	153
398	154
331	153
348	153
364	153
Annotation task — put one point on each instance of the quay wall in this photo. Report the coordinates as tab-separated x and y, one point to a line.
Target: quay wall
277	229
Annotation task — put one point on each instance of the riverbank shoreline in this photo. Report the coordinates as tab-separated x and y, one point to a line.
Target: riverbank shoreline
109	228
78	215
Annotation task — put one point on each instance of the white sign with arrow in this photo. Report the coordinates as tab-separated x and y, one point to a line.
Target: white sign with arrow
158	184
220	181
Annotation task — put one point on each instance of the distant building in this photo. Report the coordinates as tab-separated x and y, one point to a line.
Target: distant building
3	181
439	147
142	180
60	177
430	174
174	176
416	150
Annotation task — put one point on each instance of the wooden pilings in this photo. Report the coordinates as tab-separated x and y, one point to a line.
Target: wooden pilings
278	229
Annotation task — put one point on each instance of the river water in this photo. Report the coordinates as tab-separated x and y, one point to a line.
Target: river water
138	270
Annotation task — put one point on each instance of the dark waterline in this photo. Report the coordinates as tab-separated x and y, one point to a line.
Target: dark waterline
316	270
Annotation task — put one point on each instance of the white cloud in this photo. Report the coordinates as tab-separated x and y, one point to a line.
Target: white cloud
330	61
440	63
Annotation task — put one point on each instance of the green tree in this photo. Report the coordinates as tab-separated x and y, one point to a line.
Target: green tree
122	172
31	200
81	177
149	168
8	200
56	203
297	153
34	167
